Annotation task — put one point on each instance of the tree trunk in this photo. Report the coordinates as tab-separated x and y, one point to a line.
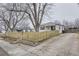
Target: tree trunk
10	29
37	28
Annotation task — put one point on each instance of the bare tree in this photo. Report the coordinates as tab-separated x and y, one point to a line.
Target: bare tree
57	22
66	24
10	18
35	11
23	25
77	22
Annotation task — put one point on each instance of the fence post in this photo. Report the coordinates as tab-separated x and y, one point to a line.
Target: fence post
5	36
46	34
22	35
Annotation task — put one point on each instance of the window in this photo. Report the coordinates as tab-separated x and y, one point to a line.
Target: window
42	28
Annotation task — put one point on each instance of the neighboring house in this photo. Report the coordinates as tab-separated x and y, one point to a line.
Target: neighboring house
23	29
71	29
50	26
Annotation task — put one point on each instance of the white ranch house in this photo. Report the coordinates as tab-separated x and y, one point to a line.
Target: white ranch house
50	26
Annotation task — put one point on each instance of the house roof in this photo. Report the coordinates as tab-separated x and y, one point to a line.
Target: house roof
48	24
22	28
51	24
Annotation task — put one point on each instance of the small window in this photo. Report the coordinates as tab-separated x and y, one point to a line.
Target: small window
42	28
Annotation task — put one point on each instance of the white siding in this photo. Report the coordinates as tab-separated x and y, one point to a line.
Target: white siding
59	28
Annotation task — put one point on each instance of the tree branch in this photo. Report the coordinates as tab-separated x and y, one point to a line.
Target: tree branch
43	10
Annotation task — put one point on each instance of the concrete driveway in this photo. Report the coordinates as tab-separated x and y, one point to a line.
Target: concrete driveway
3	52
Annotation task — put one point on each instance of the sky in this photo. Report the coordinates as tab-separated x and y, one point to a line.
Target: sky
64	11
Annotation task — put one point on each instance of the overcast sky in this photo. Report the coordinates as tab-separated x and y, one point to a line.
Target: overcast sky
67	11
